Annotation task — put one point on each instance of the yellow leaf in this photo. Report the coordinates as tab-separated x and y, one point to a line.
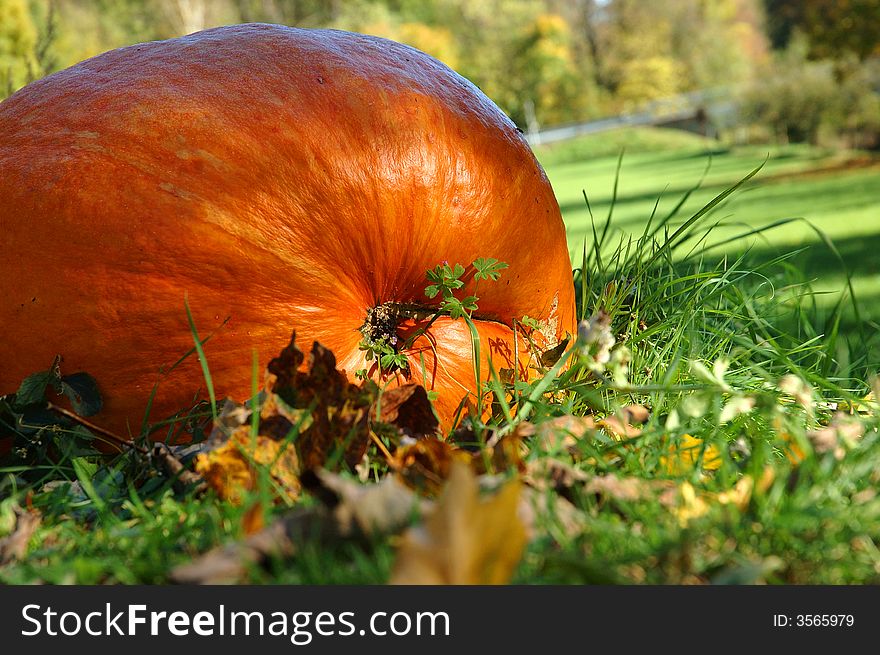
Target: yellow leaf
684	454
740	494
691	506
233	469
465	539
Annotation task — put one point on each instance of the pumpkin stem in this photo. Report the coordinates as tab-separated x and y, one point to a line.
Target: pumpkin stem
381	323
380	334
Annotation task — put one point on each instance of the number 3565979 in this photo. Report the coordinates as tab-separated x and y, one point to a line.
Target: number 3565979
814	620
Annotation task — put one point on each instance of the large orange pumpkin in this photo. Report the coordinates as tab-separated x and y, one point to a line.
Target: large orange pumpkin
281	178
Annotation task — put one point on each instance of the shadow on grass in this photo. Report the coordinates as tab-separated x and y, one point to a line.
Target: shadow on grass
859	322
858	256
600	205
844	192
651	160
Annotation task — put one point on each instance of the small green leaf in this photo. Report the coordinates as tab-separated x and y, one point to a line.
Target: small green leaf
432	290
33	388
85	472
454	308
488	268
82	390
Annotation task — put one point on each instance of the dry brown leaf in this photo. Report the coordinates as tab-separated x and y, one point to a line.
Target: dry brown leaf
793	450
408	409
502	454
837	437
231	415
340	411
363	510
13	546
561	478
619	429
347	511
254	519
550	356
626	489
636	414
536	507
559	433
425	464
548	473
465	539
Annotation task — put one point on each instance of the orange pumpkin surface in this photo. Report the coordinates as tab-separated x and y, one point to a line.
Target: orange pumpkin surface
282	179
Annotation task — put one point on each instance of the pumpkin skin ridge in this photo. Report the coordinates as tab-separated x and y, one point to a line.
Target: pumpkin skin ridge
139	182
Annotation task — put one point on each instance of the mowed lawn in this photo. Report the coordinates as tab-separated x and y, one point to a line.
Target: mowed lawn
837	193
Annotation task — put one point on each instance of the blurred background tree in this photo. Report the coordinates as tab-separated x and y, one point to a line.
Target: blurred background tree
831	27
18	41
804	70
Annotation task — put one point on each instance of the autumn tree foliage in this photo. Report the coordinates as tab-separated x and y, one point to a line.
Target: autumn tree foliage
18	39
544	61
831	27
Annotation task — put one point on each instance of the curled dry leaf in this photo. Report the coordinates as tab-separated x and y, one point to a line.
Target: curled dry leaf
13	547
310	418
359	510
502	454
618	428
231	415
837	437
558	433
794	449
550	356
626	489
231	458
562	478
254	519
425	465
347	511
637	414
537	507
465	539
407	408
548	473
339	410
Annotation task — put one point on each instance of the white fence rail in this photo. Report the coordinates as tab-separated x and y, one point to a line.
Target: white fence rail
714	104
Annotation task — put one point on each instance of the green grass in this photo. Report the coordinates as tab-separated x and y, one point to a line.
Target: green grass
695	334
835	193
